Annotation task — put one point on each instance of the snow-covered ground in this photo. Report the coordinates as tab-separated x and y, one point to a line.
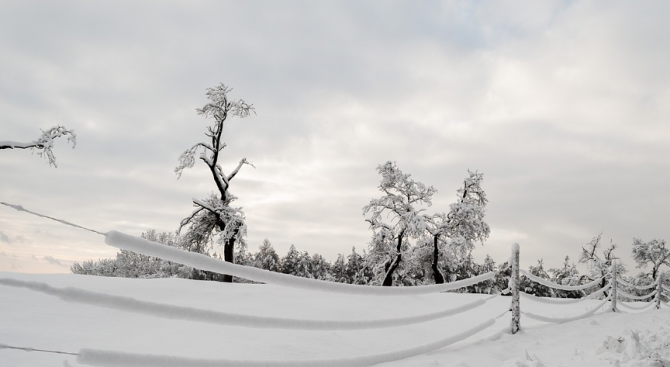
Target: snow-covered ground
34	319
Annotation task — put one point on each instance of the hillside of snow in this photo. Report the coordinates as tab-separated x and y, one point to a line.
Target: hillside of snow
31	317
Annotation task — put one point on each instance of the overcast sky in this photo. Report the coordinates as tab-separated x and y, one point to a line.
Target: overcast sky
562	105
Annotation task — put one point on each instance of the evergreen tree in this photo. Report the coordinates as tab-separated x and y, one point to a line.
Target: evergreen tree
339	270
567	275
534	288
289	263
267	258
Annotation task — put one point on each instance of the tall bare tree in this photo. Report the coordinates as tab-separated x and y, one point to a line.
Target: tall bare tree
215	216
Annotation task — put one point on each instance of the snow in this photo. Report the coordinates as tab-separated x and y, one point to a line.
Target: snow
34	319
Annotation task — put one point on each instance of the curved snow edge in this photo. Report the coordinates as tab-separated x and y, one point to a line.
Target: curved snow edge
199	261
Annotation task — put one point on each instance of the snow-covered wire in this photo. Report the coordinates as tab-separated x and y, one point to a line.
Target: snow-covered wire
630	296
22	209
29	349
199	261
559	286
134	305
103	358
645	306
560	320
563	301
643	288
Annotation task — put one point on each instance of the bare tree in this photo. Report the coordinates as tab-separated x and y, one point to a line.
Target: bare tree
390	240
44	144
599	267
215	216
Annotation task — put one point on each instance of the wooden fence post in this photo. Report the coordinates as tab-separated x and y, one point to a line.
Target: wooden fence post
614	286
514	285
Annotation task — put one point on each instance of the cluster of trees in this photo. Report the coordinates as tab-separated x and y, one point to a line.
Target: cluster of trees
408	246
649	255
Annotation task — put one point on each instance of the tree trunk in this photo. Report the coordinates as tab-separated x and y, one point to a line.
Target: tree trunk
228	253
388	279
439	278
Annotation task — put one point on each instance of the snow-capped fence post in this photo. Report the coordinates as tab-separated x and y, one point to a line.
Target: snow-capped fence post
659	290
614	285
514	286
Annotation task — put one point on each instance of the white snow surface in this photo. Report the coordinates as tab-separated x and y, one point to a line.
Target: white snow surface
34	319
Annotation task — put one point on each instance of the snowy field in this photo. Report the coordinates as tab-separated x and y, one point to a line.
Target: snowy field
34	319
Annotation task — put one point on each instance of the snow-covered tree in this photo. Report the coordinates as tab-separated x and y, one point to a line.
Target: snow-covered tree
390	240
289	263
129	264
339	270
599	265
567	275
44	144
356	269
652	253
531	287
216	216
321	268
465	225
267	258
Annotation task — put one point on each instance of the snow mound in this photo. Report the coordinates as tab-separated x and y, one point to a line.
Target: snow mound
638	348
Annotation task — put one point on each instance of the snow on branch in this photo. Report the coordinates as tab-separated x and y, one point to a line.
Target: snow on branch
44	144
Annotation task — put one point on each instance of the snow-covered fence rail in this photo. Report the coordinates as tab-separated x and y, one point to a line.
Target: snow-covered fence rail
199	261
145	247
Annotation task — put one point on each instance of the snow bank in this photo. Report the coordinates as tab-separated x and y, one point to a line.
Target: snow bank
638	348
102	358
198	261
129	304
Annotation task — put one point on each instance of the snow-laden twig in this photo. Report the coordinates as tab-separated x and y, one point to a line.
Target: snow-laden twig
559	286
198	261
129	304
560	320
94	357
